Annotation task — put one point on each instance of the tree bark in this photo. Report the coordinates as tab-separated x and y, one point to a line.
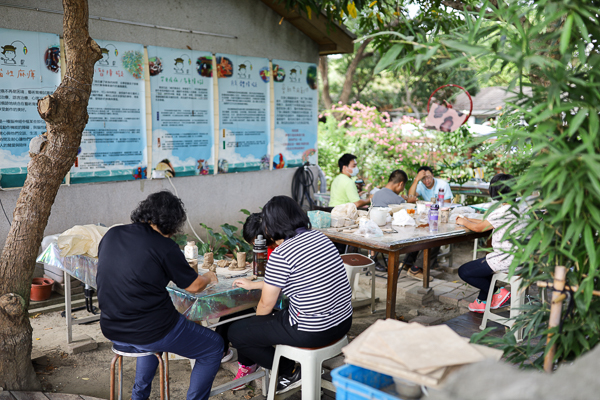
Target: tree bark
360	55
65	113
324	71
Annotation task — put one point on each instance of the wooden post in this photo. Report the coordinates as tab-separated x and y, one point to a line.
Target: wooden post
560	274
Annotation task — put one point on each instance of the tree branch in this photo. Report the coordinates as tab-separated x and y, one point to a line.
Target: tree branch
360	55
324	71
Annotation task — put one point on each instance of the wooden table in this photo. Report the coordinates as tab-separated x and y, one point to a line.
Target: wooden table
406	240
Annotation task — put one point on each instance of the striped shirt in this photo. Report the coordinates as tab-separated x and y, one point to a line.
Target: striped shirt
310	272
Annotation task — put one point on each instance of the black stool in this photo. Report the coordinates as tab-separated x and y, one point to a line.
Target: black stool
123	351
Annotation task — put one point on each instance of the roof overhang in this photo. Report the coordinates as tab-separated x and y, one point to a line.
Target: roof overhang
332	38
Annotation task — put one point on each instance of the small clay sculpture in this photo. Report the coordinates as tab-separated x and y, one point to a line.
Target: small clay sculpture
241	259
222	263
233	266
213	268
193	264
208	260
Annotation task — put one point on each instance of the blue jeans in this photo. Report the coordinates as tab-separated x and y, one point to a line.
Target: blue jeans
186	339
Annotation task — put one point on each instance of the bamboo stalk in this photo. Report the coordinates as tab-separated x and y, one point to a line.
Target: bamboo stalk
571	288
560	274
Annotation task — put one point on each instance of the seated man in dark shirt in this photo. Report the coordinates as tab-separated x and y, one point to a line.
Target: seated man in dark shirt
135	264
390	194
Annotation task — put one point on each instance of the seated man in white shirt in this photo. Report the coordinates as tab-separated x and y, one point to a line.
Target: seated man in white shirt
426	187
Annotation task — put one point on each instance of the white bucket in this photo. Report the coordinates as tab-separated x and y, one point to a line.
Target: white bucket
379	215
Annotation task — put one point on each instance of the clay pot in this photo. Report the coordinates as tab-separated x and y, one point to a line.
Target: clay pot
41	289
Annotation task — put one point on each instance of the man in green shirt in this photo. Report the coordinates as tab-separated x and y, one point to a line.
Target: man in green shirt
343	188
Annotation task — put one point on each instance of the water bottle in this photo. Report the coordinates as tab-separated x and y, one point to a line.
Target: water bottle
260	256
441	198
433	218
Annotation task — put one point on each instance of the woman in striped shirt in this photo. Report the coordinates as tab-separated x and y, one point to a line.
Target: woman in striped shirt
308	269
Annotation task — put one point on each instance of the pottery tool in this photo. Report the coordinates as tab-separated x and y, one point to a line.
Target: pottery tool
235	276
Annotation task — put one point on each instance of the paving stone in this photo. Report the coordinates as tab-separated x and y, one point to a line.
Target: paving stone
414	313
440	290
435	282
413	295
464	303
409	284
452	298
427	320
82	344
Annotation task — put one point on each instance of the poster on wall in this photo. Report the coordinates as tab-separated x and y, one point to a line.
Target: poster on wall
296	113
113	146
181	84
244	102
29	70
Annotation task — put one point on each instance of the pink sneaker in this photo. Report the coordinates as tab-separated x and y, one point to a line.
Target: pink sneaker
477	306
243	371
499	299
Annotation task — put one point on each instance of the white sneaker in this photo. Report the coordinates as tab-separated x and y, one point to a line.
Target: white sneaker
228	356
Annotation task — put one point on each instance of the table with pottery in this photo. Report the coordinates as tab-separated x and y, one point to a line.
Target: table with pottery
215	302
404	232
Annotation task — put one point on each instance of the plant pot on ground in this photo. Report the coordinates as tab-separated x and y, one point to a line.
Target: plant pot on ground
41	289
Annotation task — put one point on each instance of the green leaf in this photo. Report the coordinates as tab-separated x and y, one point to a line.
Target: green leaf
581	26
565	36
577	120
588	237
389	57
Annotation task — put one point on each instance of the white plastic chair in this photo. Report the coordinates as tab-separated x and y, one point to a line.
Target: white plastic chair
517	300
311	362
355	265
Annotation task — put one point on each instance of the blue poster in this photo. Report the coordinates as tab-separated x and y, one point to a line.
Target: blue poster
113	146
182	110
244	102
296	113
29	70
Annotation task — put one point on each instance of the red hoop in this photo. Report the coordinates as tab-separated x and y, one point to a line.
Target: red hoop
449	105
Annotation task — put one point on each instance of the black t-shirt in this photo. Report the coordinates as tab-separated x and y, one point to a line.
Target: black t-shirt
135	264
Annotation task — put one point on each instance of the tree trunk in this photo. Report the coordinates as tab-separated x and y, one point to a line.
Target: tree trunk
65	113
360	55
324	71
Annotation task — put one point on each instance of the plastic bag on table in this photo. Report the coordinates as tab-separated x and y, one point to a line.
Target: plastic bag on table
347	210
369	229
401	218
462	210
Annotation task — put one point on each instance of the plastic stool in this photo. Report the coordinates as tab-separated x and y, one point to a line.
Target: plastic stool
121	352
355	265
517	300
446	251
311	361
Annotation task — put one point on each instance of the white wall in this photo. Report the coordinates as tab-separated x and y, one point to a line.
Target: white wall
255	25
210	199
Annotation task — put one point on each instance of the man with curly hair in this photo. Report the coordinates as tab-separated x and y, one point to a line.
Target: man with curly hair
135	264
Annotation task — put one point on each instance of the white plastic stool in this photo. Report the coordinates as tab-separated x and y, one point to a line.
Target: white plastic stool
355	265
311	361
121	352
517	300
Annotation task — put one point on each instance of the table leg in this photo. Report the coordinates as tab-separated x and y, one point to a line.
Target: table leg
425	268
392	285
67	279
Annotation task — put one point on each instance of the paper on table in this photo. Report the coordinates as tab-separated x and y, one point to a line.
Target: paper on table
429	347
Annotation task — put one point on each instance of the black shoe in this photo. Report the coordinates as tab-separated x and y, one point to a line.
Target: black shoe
380	268
287	383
